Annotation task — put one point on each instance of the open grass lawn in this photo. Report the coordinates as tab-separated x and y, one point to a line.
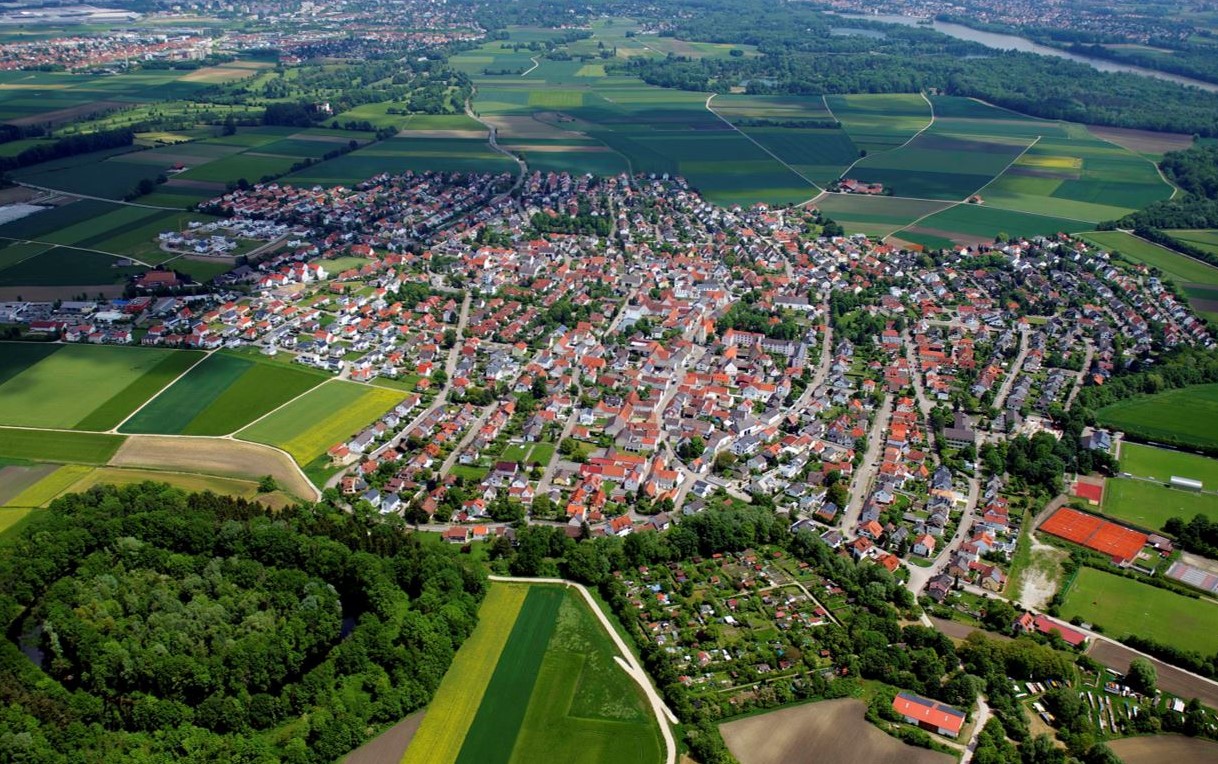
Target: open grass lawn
66	387
1162	463
120	406
1185	415
329	414
452	710
222	395
1150	505
41	446
1177	267
49	487
1124	606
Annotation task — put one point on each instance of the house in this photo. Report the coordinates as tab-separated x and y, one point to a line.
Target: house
620	525
1028	623
929	714
924	545
458	534
939	587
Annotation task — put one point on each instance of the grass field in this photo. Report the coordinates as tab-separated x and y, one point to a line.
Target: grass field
398	155
1151	505
875	215
880	122
1124	606
940	166
11	517
1177	267
307	427
222	395
87	477
1202	239
545	687
969	223
113	411
65	388
1186	414
1162	463
452	710
41	446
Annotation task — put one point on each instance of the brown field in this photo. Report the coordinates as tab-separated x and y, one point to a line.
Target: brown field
214	456
390	746
60	116
461	134
15	479
1142	141
834	729
216	74
326	138
538	126
1171	679
967	240
1173	748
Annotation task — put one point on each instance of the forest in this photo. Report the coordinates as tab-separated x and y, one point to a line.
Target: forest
176	627
801	55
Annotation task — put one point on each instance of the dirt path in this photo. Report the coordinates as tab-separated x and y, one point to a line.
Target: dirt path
625	659
390	745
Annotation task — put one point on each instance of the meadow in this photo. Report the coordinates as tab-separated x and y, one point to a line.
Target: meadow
221	395
544	687
1162	463
1184	416
77	384
1150	505
325	416
1202	239
44	446
1125	606
1175	266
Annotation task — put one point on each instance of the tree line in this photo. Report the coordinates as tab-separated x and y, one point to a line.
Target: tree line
67	147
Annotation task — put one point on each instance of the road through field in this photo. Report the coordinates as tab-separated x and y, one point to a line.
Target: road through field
628	662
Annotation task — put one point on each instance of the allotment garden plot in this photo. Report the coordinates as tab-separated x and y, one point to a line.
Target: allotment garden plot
537	682
81	386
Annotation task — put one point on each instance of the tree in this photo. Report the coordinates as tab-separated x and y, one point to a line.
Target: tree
267	484
724	461
1141	676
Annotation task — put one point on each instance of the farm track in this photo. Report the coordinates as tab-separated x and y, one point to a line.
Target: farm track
61	192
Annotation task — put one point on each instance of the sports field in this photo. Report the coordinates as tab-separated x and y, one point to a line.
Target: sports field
80	385
1151	505
221	395
1185	415
1124	606
1162	463
327	415
550	692
43	446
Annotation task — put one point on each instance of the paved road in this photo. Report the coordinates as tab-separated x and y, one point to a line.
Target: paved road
1078	381
861	485
1016	366
915	372
61	192
919	576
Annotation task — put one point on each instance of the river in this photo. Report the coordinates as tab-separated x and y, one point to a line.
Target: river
1012	42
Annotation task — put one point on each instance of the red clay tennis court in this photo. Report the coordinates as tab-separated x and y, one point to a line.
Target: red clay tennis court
1118	542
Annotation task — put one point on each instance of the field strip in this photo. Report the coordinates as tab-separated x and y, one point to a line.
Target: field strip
926	127
50	487
1174	189
114	430
1148	241
629	663
1003	171
451	712
780	161
298	397
52	245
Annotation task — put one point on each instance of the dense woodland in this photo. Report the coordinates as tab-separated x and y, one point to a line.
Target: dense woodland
1195	172
181	627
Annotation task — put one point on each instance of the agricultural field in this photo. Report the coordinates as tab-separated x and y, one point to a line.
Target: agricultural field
1200	238
408	152
10	517
222	457
1150	505
1154	749
81	386
1125	606
87	477
937	165
44	446
880	122
1185	415
970	224
329	414
835	729
221	395
1180	268
551	691
1162	463
876	215
48	488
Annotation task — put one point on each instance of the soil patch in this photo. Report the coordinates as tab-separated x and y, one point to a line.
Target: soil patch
1142	141
1159	748
390	745
1171	679
834	729
1039	585
213	456
14	479
968	240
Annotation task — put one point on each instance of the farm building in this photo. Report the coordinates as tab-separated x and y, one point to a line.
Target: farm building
929	714
1186	484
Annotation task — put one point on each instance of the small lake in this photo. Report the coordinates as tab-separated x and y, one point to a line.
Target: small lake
1013	42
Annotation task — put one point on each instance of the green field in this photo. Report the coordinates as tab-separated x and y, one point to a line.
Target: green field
49	487
397	155
115	410
43	446
1162	463
552	693
1184	416
222	395
329	414
1202	239
936	165
82	384
880	122
875	215
1177	267
970	223
1124	606
1150	505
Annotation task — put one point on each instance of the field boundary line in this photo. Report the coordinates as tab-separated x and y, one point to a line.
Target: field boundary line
925	127
114	430
318	386
96	198
625	659
52	245
1003	171
750	138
